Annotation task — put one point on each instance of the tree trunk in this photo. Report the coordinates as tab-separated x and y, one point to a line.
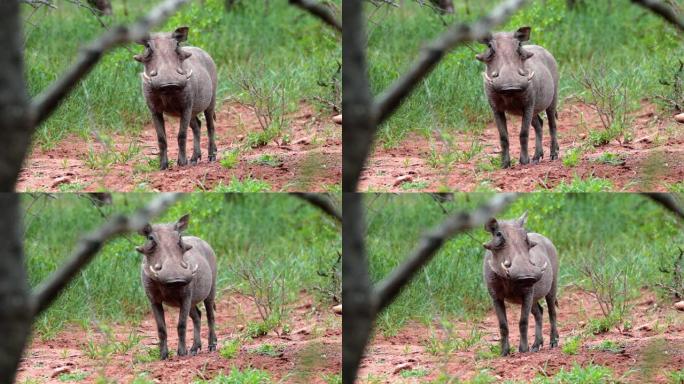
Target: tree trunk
15	312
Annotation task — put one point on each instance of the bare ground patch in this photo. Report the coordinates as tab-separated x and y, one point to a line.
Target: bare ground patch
310	160
652	159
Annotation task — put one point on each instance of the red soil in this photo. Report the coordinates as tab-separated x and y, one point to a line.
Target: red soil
311	161
654	158
311	350
654	347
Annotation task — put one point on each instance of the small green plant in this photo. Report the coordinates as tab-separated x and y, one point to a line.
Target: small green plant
149	355
72	376
71	187
491	352
237	376
611	158
443	346
230	349
256	329
609	346
268	159
589	184
269	350
572	157
414	185
590	374
420	372
572	345
142	378
677	377
332	379
247	185
230	158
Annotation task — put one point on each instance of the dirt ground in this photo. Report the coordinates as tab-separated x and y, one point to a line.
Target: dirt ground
311	350
311	160
654	346
650	161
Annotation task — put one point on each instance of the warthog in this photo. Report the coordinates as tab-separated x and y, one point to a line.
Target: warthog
179	81
522	80
521	267
181	272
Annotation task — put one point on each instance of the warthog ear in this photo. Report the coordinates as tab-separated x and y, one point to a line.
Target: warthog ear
146	230
523	33
485	40
143	40
180	34
522	220
140	250
182	223
138	58
491	225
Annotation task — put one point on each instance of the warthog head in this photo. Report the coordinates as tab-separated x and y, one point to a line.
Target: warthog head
163	60
164	253
513	253
505	59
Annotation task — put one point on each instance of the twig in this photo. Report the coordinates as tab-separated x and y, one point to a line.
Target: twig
663	10
45	103
319	10
90	245
386	290
392	97
322	202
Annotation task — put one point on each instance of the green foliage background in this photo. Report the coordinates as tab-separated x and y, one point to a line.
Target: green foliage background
612	232
277	234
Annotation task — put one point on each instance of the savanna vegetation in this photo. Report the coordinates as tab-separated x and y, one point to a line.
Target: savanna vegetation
279	83
276	250
614	59
615	248
266	52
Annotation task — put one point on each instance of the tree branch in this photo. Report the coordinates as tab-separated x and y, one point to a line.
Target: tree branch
319	10
91	244
663	10
388	289
322	202
45	103
668	201
433	53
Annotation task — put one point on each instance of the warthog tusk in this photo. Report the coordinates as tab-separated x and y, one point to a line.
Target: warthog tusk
503	266
154	273
546	263
189	74
194	270
147	78
489	79
530	76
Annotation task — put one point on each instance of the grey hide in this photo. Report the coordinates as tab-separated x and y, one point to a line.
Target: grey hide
522	80
521	268
179	81
179	271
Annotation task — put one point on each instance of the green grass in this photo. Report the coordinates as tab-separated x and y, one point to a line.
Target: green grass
270	350
618	233
609	346
419	372
295	239
246	185
236	376
268	159
590	374
230	349
677	377
611	158
588	184
572	345
280	45
72	376
451	98
230	159
572	157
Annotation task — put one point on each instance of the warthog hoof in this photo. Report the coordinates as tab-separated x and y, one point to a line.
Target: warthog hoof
195	348
554	156
194	160
212	347
163	164
536	347
182	351
163	354
524	160
212	158
182	161
524	348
